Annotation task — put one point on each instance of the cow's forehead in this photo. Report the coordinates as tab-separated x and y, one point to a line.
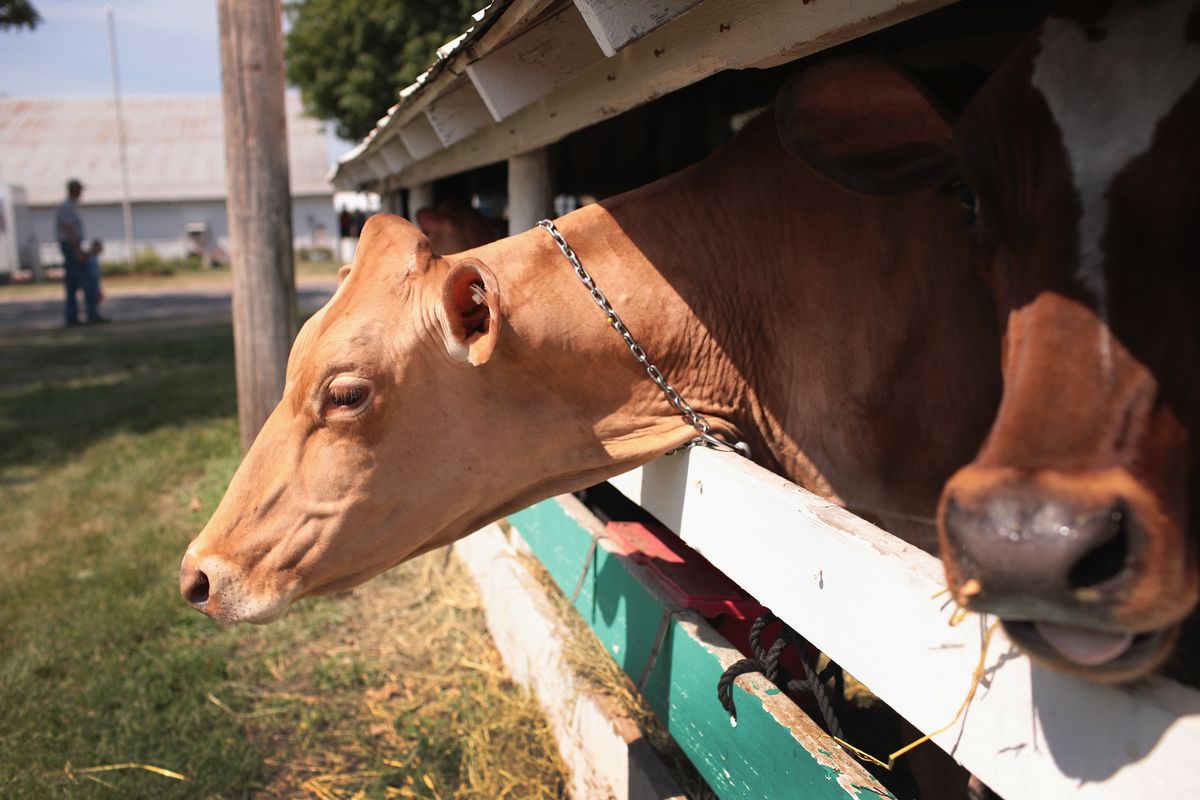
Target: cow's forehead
1108	83
362	325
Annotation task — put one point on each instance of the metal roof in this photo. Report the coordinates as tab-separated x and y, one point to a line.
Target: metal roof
176	148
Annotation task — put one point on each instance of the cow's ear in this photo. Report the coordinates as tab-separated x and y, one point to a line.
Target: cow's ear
430	221
471	302
864	123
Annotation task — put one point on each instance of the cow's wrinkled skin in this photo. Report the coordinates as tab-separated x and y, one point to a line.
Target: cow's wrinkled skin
1075	522
847	339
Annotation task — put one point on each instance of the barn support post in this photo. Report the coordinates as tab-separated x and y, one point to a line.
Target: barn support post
258	205
419	196
530	190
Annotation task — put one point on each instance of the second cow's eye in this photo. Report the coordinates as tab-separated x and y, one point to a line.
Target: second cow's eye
966	197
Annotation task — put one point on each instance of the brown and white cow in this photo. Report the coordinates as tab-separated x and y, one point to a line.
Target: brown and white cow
1075	523
848	339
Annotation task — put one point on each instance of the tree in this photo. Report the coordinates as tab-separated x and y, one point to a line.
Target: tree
350	58
18	14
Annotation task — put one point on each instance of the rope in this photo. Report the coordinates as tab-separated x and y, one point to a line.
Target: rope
766	662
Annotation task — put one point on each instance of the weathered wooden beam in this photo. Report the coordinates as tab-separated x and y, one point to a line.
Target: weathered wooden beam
856	592
715	35
775	750
530	190
395	154
458	113
618	23
419	138
378	166
260	205
606	756
534	63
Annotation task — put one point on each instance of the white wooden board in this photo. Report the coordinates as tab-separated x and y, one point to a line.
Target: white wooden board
534	63
458	113
419	138
867	599
617	23
395	154
603	749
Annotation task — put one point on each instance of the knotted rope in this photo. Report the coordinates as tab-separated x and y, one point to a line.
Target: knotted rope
767	663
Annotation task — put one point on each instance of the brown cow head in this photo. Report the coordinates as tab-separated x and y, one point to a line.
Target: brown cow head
1080	170
419	328
1072	523
397	433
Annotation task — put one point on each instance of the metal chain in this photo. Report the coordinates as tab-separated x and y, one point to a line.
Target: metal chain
693	417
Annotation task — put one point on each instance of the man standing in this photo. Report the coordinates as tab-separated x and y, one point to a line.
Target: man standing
69	229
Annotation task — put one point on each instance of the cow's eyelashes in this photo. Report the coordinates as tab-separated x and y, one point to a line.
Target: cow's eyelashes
967	199
346	396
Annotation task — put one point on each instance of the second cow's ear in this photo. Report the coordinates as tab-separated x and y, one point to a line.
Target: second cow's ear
471	307
863	123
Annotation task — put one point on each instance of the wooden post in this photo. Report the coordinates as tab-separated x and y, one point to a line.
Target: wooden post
419	196
258	204
530	190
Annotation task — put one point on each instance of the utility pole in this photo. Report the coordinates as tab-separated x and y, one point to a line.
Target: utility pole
126	203
259	204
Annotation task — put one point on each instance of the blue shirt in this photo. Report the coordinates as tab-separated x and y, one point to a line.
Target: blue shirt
68	214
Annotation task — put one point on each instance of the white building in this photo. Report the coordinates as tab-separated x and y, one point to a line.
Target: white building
176	153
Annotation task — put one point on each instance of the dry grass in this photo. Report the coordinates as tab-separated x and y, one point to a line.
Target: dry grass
400	693
595	668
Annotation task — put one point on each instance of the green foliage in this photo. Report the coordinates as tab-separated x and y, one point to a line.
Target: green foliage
351	58
148	262
18	14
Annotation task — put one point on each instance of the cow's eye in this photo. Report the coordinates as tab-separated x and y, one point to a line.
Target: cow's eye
346	396
966	197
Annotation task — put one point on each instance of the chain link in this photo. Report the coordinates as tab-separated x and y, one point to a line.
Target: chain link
694	418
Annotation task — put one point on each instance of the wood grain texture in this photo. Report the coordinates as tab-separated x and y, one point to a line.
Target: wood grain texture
259	204
618	23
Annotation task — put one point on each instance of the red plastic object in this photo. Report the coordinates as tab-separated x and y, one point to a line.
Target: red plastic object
692	582
683	574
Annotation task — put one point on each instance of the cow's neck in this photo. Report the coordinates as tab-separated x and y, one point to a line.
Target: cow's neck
785	311
664	257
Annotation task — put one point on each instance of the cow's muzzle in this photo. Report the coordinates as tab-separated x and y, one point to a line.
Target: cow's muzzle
1070	563
216	589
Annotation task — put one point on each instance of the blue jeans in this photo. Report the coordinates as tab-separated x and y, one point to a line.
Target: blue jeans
79	276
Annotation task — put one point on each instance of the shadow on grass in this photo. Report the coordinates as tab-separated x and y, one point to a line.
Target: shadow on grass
60	391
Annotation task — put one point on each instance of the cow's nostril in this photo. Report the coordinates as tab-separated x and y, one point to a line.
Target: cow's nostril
198	592
1108	560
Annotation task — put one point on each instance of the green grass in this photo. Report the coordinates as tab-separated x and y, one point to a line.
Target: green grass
115	445
184	278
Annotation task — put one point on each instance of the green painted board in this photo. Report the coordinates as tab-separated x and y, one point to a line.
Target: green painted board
774	751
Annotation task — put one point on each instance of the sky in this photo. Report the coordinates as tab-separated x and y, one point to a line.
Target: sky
164	46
